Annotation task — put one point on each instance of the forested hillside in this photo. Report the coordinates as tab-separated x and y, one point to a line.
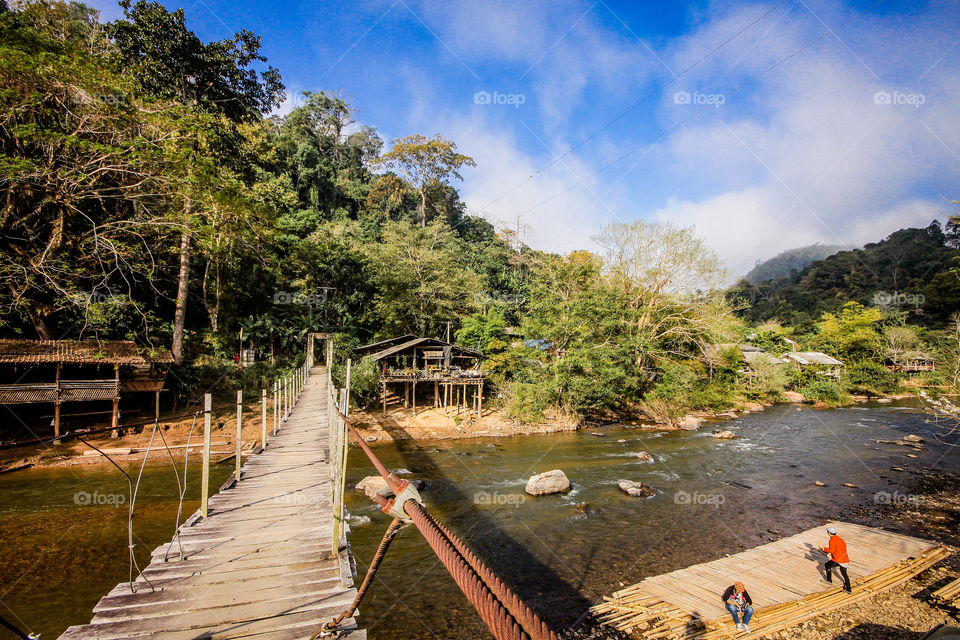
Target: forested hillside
913	271
783	265
147	195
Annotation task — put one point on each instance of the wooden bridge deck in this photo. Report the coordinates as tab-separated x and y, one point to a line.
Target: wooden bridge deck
260	565
784	578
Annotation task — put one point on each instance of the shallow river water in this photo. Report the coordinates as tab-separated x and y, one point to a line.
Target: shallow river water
62	550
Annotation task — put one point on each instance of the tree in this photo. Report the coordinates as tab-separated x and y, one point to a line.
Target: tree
419	280
851	335
425	161
168	60
83	172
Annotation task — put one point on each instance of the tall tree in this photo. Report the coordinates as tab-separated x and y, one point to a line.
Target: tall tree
424	162
168	60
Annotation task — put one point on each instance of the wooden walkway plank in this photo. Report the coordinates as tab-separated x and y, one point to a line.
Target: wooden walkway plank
259	566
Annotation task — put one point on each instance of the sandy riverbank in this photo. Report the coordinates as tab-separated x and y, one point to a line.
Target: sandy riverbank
135	442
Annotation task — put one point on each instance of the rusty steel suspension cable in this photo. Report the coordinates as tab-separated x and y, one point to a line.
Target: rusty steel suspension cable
505	614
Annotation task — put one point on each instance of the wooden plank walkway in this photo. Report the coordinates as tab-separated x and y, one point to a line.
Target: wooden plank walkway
260	566
784	579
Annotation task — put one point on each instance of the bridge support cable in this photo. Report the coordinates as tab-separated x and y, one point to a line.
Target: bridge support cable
505	614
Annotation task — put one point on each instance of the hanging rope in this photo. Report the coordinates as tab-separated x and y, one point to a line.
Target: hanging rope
183	491
330	628
15	631
133	560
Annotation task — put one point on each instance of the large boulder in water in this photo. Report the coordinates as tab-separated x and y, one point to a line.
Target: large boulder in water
636	489
689	423
374	484
550	482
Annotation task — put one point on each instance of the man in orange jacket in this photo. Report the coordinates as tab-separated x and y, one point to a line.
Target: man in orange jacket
837	549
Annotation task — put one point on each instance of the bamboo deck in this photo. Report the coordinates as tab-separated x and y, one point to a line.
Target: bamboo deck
783	578
948	596
260	566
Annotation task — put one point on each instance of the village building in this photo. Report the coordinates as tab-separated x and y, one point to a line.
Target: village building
450	374
816	361
912	362
66	371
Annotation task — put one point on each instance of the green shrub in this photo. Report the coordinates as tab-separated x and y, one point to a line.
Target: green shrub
869	379
826	391
526	402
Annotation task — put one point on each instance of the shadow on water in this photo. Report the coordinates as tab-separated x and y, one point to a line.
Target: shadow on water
553	598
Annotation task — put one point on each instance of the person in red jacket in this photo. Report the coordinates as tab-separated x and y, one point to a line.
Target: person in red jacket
737	601
837	549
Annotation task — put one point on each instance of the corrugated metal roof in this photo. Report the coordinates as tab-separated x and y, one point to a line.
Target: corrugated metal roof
812	357
125	352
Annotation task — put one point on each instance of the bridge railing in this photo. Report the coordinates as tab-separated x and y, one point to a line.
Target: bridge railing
338	405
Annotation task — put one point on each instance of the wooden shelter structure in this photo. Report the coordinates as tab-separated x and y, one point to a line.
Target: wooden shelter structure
750	356
912	362
60	371
817	360
408	361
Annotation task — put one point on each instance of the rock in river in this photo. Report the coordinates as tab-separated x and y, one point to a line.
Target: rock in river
689	423
724	435
550	482
644	456
374	484
636	489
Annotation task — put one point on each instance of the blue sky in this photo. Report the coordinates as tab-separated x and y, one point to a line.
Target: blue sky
822	121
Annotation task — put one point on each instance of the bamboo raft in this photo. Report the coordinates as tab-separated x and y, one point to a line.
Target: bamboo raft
948	596
782	577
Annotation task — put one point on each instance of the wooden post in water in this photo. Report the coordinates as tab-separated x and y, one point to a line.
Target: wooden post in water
263	418
205	470
480	401
239	431
115	416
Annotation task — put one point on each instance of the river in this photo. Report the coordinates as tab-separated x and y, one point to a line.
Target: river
62	550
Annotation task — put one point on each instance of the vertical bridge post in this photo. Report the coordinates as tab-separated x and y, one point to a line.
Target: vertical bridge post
205	473
239	431
263	418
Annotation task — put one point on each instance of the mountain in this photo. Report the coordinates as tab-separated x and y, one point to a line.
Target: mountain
783	265
912	270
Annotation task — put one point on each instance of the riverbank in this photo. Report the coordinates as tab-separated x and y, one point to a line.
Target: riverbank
174	434
373	425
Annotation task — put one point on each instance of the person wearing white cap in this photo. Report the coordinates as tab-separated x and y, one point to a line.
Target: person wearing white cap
837	549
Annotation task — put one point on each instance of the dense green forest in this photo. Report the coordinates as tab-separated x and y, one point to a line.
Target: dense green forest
148	194
784	264
912	270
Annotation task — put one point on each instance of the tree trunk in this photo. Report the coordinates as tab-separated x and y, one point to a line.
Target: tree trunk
423	208
180	315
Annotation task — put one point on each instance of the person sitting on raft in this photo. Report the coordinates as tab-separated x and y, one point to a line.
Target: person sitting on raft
738	600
